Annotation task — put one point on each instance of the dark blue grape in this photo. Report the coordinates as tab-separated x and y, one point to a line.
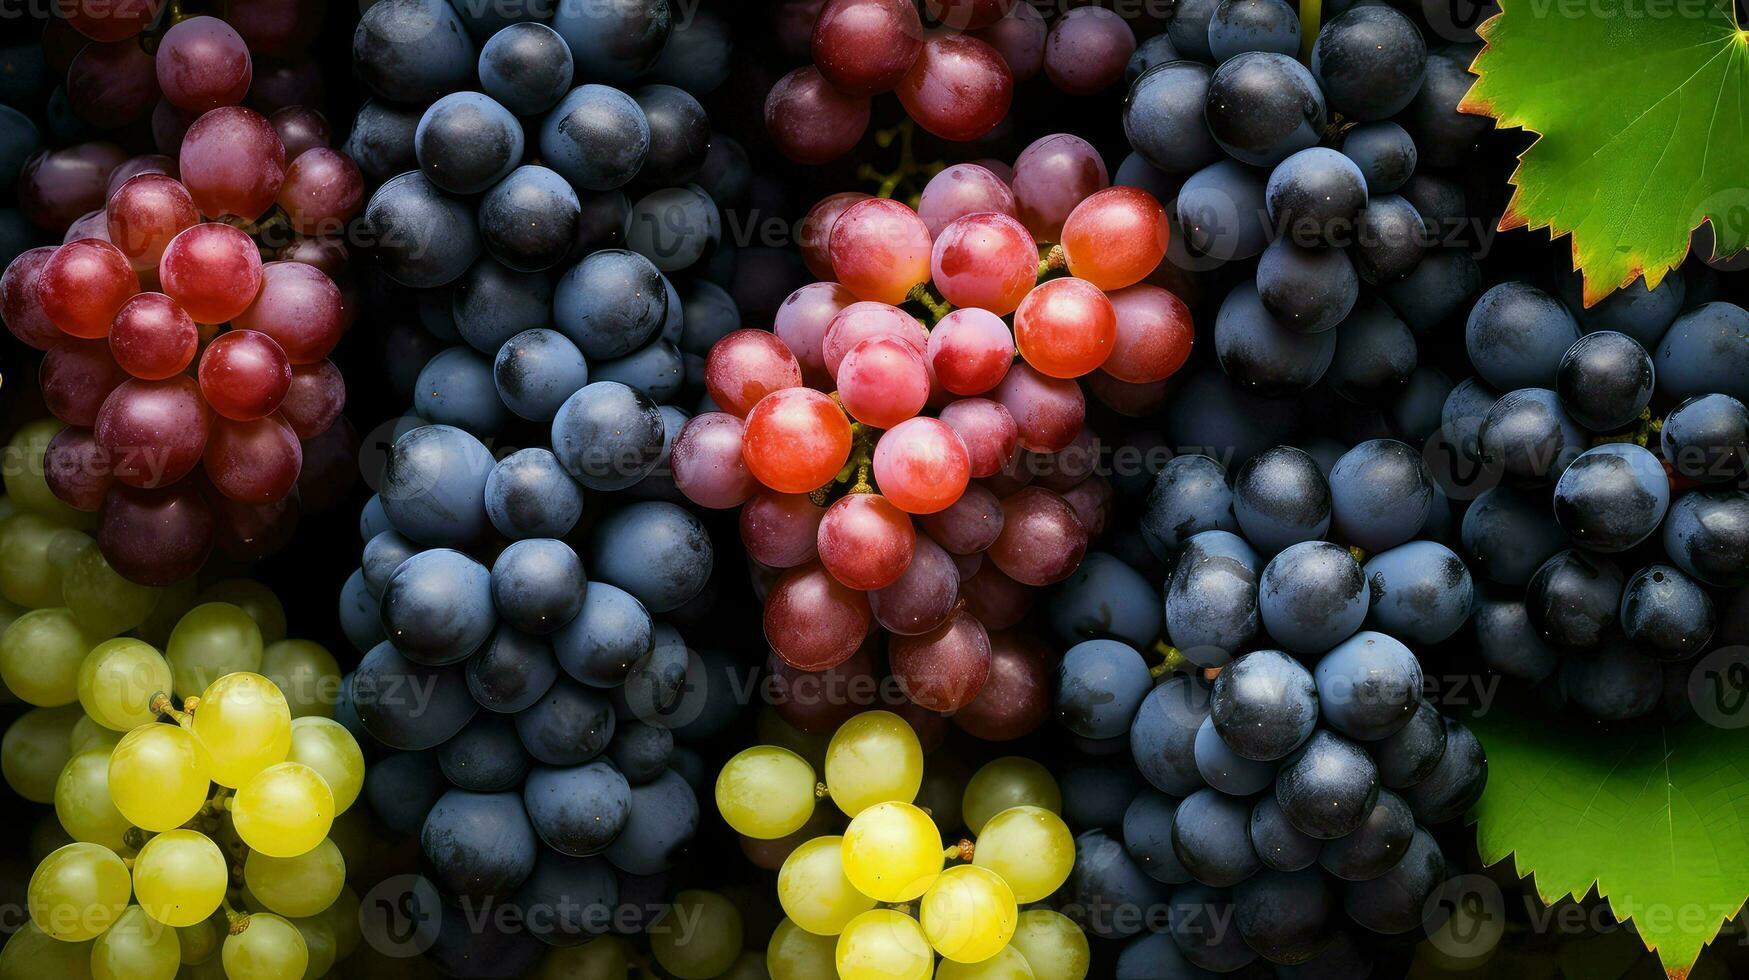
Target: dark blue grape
484	20
1163	734
610	634
568	900
1666	614
1376	845
727	175
1263	107
1604	380
1226	770
1384	152
640	751
1706	438
664	818
381	142
596	137
456	388
1201	923
1408	756
1612	497
1390	239
656	370
1437	289
1641	313
680	134
537	584
1147	836
1211	414
421	237
601	222
1097	791
412	51
568	726
535	371
1286	916
710	315
529	221
674	227
1309	290
1703	353
1508	535
1163	117
1105	598
1530	435
1369	61
1343	958
611	303
608	436
372	521
1264	354
1156	50
402	787
578	810
1281	498
1455	783
527	67
1368	687
1375	354
1418	409
1264	704
382	555
17	235
1573	598
1211	836
360	616
1508	643
484	757
512	671
1100	684
1211	599
660	688
437	606
1421	591
1189	29
1465	409
657	551
1613	682
1327	788
1312	596
478	844
1106	886
1188	497
1445	135
1315	195
1278	843
1223	211
466	142
1253	25
1517	335
614	41
696	57
710	696
1707	535
1154	955
529	495
19	139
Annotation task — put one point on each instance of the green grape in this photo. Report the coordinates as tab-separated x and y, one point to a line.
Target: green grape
602	958
342	917
284	810
319	943
105	603
883	945
306	673
297	887
180	877
26	485
773	730
156	777
173	600
32	549
1009	781
1007	964
199	941
242	726
253	598
813	890
136	948
40	654
82	802
118	680
1030	847
326	746
748	965
77	892
9	611
1054	946
268	948
88	734
766	792
968	914
794	953
35	749
32	954
211	640
873	758
705	948
892	852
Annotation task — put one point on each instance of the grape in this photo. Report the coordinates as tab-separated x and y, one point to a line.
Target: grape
1106	881
569	725
78	892
379	694
959	88
328	748
1508	643
57	187
82	286
814	234
810	121
1328	787
1047	412
1005	783
880	249
1395	902
985	260
232	162
1456	782
20	307
710	947
664	817
242	728
313	402
536	370
813	890
300	128
1704	533
1212	598
1377	845
82	801
797	439
865	541
883	943
466	142
793	953
1664	613
40	655
412	51
1604	380
269	948
1380	494
180	878
323	190
210	641
1280	499
958	191
144	214
611	303
1264	705
863	320
202	64
537	584
766	792
76	378
864	47
1436	289
1613	497
78	471
492	303
422	238
527	67
1278	843
1530	436
1147	836
1443	134
969	15
657	551
154	537
1308	290
1163	119
608	436
485	757
1706	438
118	680
780	530
214	271
706	458
1225	769
112	22
1262	353
1262	107
1421	591
1101	683
1517	335
970	351
1285	915
1029	847
892	853
968	914
874	760
802	322
1385	154
1223	210
1315	195
1253	25
989	435
109	85
1369	62
152	337
606	638
1051	176
36	747
747	365
1065	328
944	669
1641	313
1019	37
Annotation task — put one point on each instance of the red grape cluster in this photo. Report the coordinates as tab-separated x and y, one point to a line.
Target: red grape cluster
954	66
925	478
169	346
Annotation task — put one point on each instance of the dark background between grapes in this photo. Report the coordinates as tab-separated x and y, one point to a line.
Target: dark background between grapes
385	346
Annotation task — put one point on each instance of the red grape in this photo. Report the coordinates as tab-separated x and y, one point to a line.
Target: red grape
997	600
1115	237
155	537
923	595
1047	411
300	308
1065	328
111	84
77	470
154	431
109	20
781	529
801	324
860	321
969	15
255	462
985	260
1020	39
707	463
213	270
944	669
57	186
864	47
988	431
1070	465
812	620
76	377
251	532
1154	335
1016	698
814	234
21	307
326	254
244	375
810	121
959	89
864	541
817	702
1088	49
1014	474
883	381
323	190
880	249
962	189
797	440
145	163
203	64
301	128
1091	499
145	213
83	285
232	162
1042	539
970	351
1053	175
921	465
314	399
970	525
745	366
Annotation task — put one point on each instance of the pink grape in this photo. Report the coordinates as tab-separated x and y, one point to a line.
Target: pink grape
864	541
145	213
82	286
883	381
814	234
111	85
863	47
1020	39
155	537
254	462
1154	335
797	440
109	20
745	366
21	307
944	669
880	249
781	529
985	260
314	399
1016	698
923	595
988	432
153	337
58	186
77	469
707	463
970	525
1088	49
1091	499
921	465
962	189
76	377
213	270
92	225
301	128
1047	411
813	621
811	122
1042	539
232	162
153	431
1016	473
244	375
862	320
203	64
145	163
970	351
958	89
801	324
300	308
1115	237
1053	175
322	191
969	15
817	702
1070	465
1065	328
326	254
997	600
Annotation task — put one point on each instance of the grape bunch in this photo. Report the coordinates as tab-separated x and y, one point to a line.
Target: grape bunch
846	889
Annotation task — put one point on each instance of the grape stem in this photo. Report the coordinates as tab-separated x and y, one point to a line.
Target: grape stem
925	297
235	922
888	182
1639	433
821	792
1171	659
961	851
1054	260
163	705
1358	553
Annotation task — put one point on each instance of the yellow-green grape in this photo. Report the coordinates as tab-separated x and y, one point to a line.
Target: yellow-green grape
771	729
32	552
297	887
705	948
319	943
602	958
1007	964
883	945
873	758
794	953
1030	847
35	749
180	877
766	792
26	483
284	810
242	725
118	680
199	941
77	892
1009	781
968	914
1054	946
105	603
342	917
32	954
82	802
9	611
88	734
253	598
173	600
136	948
813	890
40	654
268	948
156	777
306	673
892	852
326	746
211	640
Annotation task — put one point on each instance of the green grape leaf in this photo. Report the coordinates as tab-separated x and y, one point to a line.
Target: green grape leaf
1656	818
1642	111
